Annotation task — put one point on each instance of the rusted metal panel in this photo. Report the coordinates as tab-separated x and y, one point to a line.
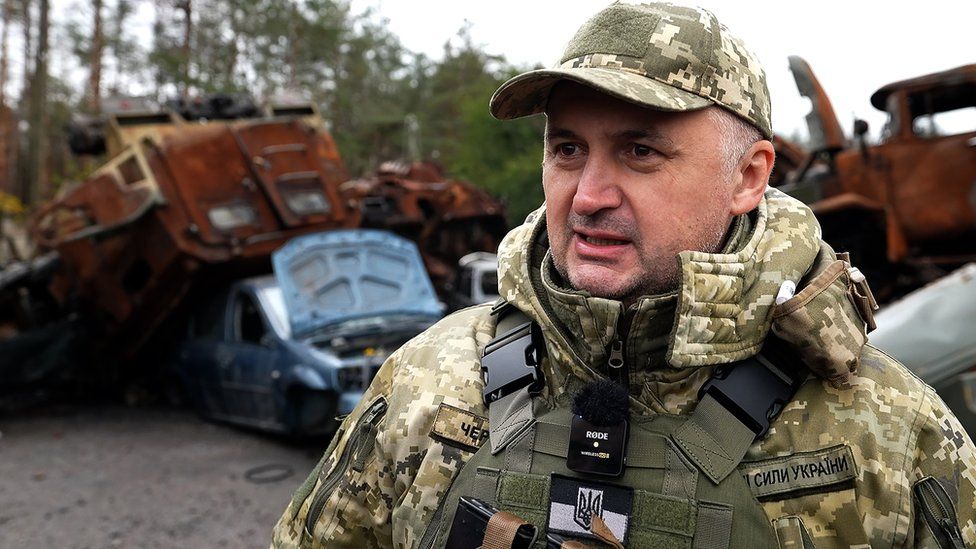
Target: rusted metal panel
447	218
825	131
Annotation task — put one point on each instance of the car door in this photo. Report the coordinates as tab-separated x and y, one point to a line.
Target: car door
244	363
934	167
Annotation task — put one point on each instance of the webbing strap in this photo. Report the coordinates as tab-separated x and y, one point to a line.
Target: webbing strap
485	484
509	317
552	439
501	530
602	531
508	417
714	439
680	476
714	527
518	458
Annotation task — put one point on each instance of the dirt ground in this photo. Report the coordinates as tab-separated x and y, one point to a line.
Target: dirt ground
109	476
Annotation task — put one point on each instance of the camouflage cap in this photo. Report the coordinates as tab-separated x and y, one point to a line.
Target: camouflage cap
660	56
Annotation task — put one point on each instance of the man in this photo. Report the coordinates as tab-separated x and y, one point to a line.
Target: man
658	256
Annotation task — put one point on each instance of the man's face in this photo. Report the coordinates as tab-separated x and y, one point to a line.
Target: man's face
627	189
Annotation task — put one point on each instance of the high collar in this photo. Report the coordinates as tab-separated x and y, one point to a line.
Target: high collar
721	312
643	328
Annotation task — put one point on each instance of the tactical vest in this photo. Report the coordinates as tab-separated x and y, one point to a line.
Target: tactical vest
680	487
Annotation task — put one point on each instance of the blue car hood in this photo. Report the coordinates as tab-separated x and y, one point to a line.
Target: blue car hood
331	277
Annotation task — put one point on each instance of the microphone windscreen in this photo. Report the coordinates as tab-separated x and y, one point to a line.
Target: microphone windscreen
602	402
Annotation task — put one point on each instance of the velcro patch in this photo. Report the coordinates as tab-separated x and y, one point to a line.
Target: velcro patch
459	428
573	502
801	471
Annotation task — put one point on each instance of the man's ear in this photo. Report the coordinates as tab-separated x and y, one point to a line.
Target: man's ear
751	177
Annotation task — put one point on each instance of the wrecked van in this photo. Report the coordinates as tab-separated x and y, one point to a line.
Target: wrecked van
290	352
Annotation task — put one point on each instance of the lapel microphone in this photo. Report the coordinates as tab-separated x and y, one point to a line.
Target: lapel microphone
598	434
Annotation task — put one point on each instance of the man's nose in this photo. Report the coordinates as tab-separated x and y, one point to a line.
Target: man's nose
597	188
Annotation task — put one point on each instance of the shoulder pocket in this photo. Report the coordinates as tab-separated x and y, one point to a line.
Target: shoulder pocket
358	449
822	320
938	511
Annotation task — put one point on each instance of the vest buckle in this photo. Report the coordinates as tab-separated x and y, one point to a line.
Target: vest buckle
756	389
513	361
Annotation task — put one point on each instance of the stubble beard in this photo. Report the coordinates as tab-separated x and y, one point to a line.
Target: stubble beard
653	275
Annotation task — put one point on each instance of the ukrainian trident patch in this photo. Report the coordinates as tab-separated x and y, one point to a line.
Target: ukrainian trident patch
574	502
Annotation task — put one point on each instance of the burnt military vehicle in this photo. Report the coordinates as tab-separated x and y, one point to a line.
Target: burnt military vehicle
904	207
181	205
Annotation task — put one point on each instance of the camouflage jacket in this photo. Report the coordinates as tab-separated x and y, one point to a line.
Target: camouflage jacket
385	473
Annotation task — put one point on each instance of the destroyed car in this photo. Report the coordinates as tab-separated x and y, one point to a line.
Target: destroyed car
931	331
288	353
124	248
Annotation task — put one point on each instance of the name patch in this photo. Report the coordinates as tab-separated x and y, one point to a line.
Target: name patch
801	471
459	428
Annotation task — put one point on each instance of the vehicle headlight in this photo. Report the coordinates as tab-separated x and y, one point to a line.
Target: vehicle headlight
232	216
306	201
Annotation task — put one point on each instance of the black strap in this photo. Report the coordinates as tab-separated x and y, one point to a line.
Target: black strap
756	389
736	407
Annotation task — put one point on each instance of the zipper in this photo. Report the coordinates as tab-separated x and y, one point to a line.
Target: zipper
617	351
369	419
939	512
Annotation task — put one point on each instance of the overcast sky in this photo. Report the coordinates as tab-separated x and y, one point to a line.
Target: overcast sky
853	46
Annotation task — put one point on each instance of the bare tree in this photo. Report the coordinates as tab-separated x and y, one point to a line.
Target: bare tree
95	59
36	141
7	15
185	50
27	25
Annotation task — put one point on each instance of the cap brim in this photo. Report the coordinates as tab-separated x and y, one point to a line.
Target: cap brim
528	93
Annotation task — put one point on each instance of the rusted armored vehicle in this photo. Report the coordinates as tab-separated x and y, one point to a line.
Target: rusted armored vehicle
904	207
447	218
197	196
180	205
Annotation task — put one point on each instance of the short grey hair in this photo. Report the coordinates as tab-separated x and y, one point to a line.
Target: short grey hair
737	136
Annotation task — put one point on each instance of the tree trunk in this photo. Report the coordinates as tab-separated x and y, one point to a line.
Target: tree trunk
28	26
36	142
8	8
95	59
185	51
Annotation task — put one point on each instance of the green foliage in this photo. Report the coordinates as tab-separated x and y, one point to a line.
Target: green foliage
504	157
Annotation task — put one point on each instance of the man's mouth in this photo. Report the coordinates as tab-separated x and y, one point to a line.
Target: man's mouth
602	241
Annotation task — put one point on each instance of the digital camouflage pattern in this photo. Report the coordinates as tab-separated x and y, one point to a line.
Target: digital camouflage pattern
657	55
385	493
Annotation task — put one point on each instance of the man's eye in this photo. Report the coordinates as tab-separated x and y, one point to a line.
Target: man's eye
642	150
567	149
